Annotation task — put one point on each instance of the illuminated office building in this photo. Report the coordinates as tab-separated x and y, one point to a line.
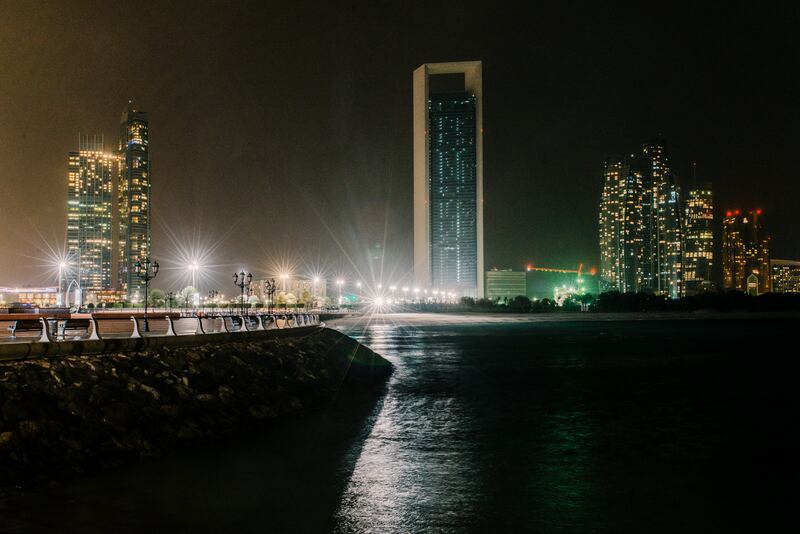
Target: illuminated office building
698	251
133	198
621	251
785	276
745	253
89	217
448	178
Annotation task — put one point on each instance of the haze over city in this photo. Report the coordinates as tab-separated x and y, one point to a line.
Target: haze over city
282	134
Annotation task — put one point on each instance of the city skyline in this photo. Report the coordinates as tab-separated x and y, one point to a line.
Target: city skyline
548	127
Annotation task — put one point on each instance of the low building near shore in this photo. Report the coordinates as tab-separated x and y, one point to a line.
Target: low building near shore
785	276
504	284
38	297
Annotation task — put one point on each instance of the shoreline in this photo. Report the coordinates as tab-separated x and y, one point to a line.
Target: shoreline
61	417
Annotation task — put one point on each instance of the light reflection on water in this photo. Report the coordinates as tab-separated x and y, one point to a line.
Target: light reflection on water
557	429
417	452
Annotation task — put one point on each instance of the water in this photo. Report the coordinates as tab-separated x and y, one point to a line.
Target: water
558	426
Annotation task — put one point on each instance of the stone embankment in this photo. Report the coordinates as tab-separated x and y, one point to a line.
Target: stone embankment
60	416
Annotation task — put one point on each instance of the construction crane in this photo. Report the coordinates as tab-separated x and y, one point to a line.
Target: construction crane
578	271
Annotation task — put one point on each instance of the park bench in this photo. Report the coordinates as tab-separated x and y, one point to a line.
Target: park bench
26	325
78	328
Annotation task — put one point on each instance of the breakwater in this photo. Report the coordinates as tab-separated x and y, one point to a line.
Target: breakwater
60	416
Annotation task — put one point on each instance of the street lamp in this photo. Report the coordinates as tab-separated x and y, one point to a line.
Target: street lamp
168	300
269	288
242	281
146	271
284	277
213	296
314	291
61	266
340	283
193	268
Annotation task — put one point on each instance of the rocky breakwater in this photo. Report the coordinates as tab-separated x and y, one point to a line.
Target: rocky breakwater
63	415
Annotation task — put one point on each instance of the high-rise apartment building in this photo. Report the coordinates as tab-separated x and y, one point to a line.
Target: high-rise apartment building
641	246
698	251
745	253
662	233
89	217
448	178
133	198
621	224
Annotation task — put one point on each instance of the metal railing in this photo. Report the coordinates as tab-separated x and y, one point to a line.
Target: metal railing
97	327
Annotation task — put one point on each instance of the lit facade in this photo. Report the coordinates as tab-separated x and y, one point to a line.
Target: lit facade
785	276
505	284
40	297
448	180
133	198
662	217
620	227
641	225
89	216
699	239
745	253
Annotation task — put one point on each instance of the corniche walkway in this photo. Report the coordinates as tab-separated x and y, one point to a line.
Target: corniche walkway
40	336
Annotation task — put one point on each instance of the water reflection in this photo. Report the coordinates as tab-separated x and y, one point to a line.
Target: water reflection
568	428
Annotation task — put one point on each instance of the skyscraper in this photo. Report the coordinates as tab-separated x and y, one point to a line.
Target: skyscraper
133	198
662	232
448	177
621	227
745	253
89	217
699	238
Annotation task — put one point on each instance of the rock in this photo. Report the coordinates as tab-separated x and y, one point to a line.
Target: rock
151	390
29	429
7	438
14	410
75	412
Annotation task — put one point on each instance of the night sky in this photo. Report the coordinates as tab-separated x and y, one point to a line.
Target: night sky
283	133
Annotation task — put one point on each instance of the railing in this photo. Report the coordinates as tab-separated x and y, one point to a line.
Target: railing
101	326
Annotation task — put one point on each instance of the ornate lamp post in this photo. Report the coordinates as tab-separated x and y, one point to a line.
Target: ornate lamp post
213	296
146	271
269	288
242	281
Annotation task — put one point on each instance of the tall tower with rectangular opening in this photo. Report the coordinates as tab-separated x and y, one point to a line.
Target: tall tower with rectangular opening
448	177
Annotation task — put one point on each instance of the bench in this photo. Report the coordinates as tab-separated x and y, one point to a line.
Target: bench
26	325
80	326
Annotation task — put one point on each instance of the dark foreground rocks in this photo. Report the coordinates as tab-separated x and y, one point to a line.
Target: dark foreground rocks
60	416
